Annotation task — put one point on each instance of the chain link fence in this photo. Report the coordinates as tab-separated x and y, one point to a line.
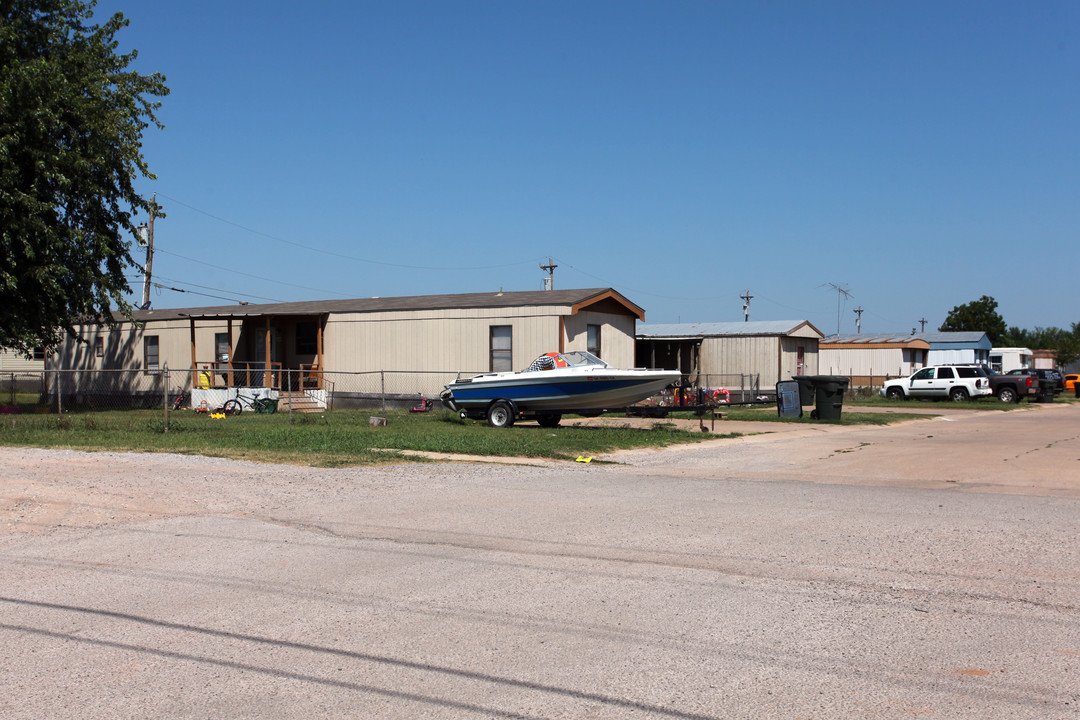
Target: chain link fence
94	391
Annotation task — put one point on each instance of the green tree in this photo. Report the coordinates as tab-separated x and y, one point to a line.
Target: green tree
72	115
980	316
1066	343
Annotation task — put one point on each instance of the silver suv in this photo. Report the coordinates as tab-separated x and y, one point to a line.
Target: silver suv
956	382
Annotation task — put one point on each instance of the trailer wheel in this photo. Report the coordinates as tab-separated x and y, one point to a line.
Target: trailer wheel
549	420
500	414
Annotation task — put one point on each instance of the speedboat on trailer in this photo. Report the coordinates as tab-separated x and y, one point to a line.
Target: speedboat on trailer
553	384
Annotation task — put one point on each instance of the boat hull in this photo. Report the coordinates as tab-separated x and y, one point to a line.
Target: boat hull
532	392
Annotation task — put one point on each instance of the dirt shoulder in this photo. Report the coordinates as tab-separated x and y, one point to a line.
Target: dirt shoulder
1032	451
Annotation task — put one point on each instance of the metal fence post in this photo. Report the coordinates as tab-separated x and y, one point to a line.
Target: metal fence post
59	404
289	379
165	395
382	388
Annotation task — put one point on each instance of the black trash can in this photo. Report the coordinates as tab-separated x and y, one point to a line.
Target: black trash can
1046	391
806	388
829	395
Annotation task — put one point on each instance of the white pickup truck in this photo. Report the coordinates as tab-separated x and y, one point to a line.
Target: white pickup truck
956	382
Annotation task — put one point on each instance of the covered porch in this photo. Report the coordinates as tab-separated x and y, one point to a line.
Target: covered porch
259	350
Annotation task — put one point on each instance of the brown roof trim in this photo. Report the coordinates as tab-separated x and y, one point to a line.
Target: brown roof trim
608	295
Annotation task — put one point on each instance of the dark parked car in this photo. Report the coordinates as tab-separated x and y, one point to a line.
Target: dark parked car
1012	388
1054	376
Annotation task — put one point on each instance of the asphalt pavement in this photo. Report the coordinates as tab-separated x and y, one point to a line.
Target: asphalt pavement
928	569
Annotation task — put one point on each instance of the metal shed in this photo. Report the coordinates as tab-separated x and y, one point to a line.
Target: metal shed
773	350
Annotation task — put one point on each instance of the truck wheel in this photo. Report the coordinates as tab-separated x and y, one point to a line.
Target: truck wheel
1008	394
894	393
500	414
959	394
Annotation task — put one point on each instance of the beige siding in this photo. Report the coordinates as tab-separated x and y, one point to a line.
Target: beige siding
740	355
770	357
864	362
616	336
457	341
123	345
13	362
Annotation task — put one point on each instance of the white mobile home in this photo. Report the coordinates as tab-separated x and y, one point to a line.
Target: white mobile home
868	359
1005	359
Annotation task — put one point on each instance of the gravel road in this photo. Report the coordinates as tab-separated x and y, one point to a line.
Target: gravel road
926	569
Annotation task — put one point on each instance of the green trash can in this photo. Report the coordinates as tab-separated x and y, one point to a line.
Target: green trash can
829	395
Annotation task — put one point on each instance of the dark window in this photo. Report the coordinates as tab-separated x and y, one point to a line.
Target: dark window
39	353
307	338
502	348
150	352
99	347
924	374
968	372
594	340
945	374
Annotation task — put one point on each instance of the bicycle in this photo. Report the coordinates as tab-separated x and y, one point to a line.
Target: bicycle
237	404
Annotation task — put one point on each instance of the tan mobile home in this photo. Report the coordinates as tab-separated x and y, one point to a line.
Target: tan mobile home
428	338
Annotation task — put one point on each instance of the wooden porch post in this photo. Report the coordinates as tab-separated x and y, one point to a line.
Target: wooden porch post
319	356
231	353
194	360
266	372
562	333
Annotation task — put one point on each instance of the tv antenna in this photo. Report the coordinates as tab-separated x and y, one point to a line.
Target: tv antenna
841	293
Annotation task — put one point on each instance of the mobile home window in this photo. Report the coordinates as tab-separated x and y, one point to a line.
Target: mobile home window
307	338
39	353
150	352
594	340
99	347
502	348
221	347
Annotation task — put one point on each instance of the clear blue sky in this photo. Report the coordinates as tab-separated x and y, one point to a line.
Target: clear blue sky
918	154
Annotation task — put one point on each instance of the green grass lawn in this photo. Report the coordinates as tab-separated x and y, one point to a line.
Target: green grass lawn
344	437
337	438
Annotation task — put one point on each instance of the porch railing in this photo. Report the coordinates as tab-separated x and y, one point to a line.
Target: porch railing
216	375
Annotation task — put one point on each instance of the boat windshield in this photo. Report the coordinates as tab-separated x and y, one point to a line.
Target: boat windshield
580	358
576	358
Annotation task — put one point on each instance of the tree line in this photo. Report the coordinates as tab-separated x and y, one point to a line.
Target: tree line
982	316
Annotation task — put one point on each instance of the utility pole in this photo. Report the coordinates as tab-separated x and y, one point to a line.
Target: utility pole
746	305
922	325
549	281
149	241
858	320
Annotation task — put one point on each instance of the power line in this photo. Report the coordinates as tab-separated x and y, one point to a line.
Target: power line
337	254
205	287
255	277
159	286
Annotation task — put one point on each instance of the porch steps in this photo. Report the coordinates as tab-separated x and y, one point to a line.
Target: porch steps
300	402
